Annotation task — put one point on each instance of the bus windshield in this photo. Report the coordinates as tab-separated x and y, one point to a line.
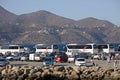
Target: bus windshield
111	46
79	46
102	46
55	46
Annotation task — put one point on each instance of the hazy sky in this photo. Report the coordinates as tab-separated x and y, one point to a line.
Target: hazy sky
74	9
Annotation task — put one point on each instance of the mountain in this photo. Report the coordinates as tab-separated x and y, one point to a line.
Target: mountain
6	16
43	17
45	27
93	22
8	30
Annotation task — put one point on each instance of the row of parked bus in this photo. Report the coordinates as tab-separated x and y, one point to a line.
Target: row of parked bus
89	48
6	49
71	50
68	48
93	51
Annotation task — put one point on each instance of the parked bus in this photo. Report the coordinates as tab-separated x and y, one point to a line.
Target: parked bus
118	48
81	48
46	48
107	48
12	48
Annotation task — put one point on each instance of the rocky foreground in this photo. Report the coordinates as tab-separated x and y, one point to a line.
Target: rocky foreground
10	72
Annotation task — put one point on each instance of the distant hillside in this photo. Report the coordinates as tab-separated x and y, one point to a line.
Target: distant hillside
6	17
46	27
93	22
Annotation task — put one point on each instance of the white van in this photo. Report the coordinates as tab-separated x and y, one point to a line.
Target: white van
31	57
71	58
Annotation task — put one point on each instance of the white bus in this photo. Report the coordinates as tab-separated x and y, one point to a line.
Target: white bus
81	48
46	48
11	48
107	48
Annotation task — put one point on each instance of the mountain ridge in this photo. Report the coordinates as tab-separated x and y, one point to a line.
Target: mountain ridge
46	27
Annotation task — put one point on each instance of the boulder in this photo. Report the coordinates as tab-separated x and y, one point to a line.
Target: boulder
4	72
59	68
115	75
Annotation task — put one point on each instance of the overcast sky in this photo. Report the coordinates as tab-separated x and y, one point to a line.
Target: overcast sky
73	9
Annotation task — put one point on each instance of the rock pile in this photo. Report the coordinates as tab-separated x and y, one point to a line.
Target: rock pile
10	72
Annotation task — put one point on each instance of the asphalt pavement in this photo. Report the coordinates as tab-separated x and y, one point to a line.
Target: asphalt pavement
101	63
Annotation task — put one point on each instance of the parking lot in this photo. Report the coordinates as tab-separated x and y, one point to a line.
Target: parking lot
100	63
